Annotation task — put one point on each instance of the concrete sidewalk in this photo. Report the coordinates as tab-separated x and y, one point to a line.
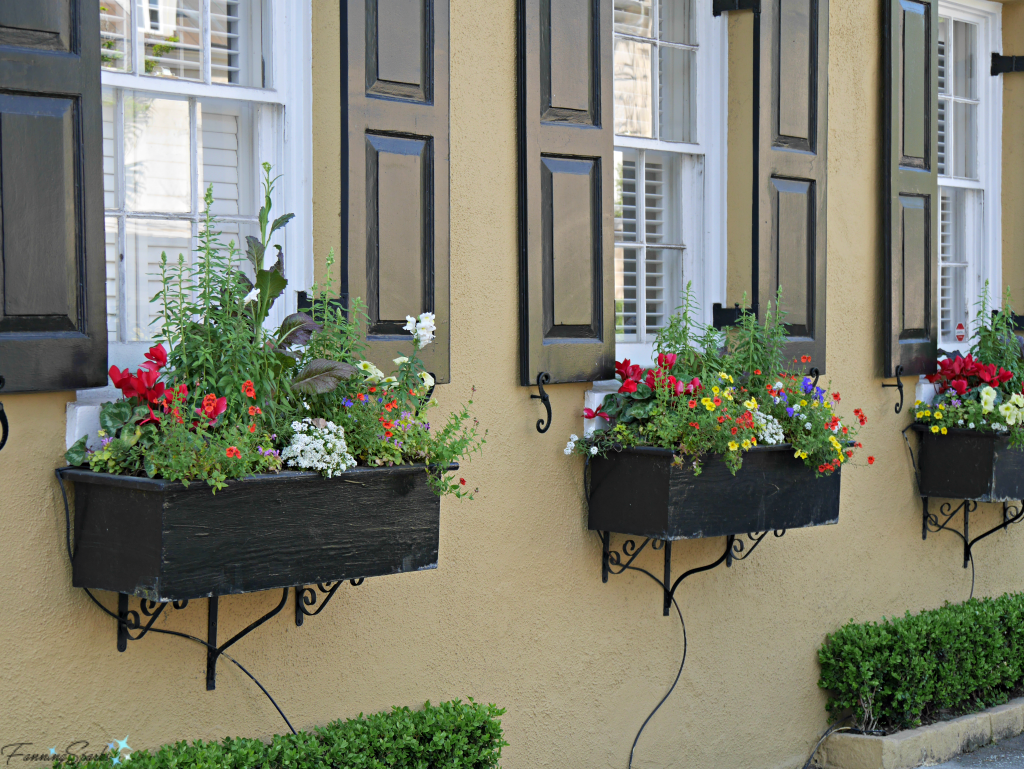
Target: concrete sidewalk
1007	754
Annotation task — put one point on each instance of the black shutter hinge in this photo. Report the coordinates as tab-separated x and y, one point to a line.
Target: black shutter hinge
1004	64
718	6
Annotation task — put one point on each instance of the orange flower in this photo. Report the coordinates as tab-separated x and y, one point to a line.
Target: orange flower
252	428
757	371
361	396
373	389
254	410
805	358
248	389
234	453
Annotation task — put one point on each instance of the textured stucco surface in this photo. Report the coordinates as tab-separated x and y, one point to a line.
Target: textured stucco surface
516	612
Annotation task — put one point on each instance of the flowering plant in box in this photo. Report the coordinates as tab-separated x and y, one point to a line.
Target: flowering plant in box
220	396
722	394
981	390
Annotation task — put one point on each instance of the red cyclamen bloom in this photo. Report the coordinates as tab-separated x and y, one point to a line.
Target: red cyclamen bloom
591	414
156	358
667	360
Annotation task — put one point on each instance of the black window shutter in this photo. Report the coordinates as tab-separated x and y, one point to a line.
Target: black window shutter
397	171
911	179
53	330
790	244
566	177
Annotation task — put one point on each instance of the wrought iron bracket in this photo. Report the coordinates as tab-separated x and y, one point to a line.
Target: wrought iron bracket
1002	65
612	560
307	597
543	378
814	373
132	627
4	428
718	6
898	386
930	522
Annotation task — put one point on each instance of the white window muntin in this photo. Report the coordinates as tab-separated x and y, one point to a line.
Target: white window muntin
969	215
701	185
280	110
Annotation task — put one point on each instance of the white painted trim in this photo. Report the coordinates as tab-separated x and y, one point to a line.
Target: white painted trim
171	87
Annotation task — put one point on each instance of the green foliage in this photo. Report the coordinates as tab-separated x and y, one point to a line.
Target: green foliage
993	339
452	735
722	394
905	670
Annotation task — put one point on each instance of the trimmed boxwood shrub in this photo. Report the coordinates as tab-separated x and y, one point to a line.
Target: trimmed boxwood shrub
452	735
905	670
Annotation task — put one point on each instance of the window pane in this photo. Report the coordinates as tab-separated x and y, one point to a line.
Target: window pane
172	31
236	50
677	21
111	255
954	225
110	197
943	44
677	94
145	240
625	291
965	140
226	155
661	198
625	195
115	34
633	17
662	274
157	156
633	88
965	50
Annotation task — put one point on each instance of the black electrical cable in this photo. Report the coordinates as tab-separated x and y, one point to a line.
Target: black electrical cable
67	536
831	730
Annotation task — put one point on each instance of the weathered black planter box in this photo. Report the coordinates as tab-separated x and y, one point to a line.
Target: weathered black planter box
158	540
639	492
966	464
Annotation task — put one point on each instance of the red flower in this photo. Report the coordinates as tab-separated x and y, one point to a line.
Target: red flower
252	428
805	358
735	430
836	398
667	360
871	460
694	386
123	381
628	386
248	389
721	420
591	414
628	370
650	380
849	454
757	371
213	407
845	431
692	404
234	453
694	425
156	358
361	396
255	410
462	481
373	389
717	401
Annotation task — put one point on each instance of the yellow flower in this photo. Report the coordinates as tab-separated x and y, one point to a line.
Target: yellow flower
918	403
733	445
942	405
709	406
746	445
728	393
803	403
918	415
938	415
927	413
706	401
751	404
935	429
715	390
944	431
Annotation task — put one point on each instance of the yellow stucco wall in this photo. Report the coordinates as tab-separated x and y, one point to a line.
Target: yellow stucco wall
516	613
1013	158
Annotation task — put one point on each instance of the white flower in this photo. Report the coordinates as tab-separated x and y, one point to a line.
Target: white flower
568	449
1017	400
571	445
574	438
306	405
422	328
389	380
807	425
593	450
373	374
428	380
971	425
988	399
778	385
410	324
318	446
400	360
960	421
252	296
796	407
769	430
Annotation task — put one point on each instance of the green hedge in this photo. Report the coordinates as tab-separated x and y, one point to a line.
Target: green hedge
452	735
956	659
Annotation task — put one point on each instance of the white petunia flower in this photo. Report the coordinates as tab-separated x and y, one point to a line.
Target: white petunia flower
252	296
400	360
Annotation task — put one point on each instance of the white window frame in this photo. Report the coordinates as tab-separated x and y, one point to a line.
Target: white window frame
704	227
985	261
283	133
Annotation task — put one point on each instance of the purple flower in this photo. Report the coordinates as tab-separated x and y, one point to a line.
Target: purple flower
807	385
105	441
346	402
956	402
789	410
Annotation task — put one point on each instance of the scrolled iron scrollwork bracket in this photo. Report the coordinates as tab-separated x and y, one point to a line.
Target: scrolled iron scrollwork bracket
814	373
931	522
899	387
613	563
543	378
306	596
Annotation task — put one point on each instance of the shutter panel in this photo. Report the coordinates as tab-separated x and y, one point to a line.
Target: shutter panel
911	203
566	159
53	332
790	237
397	170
